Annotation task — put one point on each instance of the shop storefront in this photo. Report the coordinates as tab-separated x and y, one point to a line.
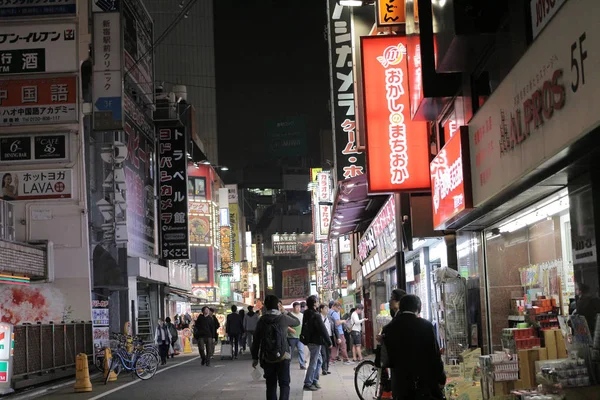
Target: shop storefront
527	243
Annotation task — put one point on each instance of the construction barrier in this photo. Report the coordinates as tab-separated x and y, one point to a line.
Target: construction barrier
82	374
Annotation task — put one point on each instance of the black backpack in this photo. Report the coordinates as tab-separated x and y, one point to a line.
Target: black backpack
273	342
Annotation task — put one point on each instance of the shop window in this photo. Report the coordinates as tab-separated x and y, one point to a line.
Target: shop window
201	275
529	267
197	188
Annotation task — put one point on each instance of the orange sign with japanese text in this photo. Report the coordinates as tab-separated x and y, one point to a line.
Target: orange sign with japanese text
37	101
391	12
451	180
397	147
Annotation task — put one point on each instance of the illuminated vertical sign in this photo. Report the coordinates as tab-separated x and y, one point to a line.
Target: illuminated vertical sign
226	266
324	220
324	187
391	12
269	275
397	147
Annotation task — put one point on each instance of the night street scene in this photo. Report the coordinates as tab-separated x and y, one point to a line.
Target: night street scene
314	199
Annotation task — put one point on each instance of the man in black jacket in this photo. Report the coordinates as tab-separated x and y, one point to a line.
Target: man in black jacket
413	348
234	327
274	371
314	335
203	332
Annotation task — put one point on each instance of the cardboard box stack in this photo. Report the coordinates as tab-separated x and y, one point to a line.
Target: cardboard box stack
499	371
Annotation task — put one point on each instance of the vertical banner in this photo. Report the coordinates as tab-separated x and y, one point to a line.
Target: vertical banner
397	147
324	187
172	165
107	75
234	222
226	266
349	161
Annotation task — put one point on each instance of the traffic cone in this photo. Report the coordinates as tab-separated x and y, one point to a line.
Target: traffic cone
107	362
187	346
82	374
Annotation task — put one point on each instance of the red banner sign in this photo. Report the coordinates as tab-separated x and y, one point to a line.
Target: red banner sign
397	148
451	180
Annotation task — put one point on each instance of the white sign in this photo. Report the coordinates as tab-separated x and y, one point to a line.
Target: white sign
107	41
237	272
344	243
232	193
324	189
31	47
324	219
269	276
36	184
248	243
542	12
542	106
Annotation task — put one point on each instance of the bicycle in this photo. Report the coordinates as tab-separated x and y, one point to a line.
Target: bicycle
372	382
144	364
136	341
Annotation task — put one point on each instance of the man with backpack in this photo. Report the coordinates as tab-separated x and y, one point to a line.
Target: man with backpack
314	335
271	349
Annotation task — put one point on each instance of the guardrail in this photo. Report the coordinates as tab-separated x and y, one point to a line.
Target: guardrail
44	352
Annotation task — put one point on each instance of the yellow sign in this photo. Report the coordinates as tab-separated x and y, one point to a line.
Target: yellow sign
236	251
226	268
313	173
391	12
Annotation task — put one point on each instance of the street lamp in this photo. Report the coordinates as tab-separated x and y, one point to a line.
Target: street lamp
355	3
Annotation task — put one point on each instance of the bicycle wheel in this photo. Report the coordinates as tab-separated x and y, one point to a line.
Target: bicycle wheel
146	366
365	380
99	362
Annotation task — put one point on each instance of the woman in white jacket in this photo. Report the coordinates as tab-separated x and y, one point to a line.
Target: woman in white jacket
162	337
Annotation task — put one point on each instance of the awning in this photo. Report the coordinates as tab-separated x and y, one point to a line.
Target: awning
353	209
183	293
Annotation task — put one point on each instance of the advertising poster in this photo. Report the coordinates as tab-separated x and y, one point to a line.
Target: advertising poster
235	232
226	257
100	323
37	101
29	48
139	179
200	233
295	283
36	184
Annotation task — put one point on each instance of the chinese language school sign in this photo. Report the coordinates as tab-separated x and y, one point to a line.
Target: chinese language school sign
36	185
38	101
451	180
172	164
397	148
26	48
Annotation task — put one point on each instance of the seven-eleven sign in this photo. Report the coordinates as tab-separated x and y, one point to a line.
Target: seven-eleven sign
3	371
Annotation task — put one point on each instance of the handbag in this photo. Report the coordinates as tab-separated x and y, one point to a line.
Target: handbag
384	357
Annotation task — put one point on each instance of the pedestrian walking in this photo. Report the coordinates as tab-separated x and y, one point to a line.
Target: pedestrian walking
213	313
294	336
339	351
414	354
333	337
204	331
243	334
174	337
234	327
356	332
348	329
162	337
314	335
250	321
271	348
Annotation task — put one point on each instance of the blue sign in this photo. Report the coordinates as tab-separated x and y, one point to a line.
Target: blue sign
112	104
108	114
20	8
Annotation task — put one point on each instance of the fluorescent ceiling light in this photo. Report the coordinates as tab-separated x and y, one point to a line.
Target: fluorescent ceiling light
351	3
555	205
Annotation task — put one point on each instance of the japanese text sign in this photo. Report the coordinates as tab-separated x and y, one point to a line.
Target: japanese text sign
397	148
38	101
26	48
293	243
324	189
349	161
31	8
324	219
391	12
385	219
172	167
295	283
226	267
450	180
36	184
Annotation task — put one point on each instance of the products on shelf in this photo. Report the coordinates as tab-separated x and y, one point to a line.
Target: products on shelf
569	372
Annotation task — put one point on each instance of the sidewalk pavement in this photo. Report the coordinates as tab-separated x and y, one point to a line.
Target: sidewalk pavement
226	379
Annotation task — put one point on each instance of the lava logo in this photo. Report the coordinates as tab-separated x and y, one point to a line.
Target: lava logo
392	55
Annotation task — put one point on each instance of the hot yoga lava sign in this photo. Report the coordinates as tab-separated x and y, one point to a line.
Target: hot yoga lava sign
397	147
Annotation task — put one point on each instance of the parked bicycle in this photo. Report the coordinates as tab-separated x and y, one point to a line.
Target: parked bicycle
371	381
141	362
137	344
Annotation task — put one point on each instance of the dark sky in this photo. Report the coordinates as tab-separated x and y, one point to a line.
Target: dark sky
271	62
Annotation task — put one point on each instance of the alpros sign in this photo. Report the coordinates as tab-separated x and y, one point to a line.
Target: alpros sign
350	162
397	148
172	165
451	180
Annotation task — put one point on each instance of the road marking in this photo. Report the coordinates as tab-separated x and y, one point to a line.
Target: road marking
139	380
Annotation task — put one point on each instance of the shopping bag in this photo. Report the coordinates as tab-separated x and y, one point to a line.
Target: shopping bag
171	351
257	373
